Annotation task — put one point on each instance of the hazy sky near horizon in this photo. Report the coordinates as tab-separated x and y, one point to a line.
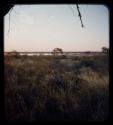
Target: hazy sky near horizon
45	27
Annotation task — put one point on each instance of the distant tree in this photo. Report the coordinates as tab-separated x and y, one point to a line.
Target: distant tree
14	53
105	50
57	51
88	52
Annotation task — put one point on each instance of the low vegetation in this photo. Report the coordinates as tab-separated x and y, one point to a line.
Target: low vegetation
48	88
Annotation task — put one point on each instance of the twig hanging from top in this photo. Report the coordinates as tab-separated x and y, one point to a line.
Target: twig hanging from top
79	14
71	10
9	20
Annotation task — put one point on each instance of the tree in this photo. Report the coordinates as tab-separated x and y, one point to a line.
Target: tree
57	51
105	50
14	53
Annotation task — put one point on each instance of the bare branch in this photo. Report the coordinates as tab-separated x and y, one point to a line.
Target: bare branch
9	19
79	14
71	9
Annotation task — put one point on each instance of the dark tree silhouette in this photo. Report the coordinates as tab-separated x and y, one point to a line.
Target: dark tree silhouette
57	51
105	50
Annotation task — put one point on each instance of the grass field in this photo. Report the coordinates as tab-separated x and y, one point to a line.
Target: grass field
47	88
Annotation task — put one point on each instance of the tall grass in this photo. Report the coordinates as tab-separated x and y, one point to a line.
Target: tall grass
56	89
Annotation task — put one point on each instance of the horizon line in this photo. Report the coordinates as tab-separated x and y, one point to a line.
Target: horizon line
47	51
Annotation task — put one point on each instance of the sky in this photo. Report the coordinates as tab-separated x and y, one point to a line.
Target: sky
45	27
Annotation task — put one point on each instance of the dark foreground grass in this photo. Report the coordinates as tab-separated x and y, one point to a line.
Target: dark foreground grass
46	88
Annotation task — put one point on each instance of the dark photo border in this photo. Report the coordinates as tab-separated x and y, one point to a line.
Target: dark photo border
7	5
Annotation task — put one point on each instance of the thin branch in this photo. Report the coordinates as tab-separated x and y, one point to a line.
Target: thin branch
79	14
9	20
71	9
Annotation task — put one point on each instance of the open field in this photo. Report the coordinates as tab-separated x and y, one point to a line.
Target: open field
48	88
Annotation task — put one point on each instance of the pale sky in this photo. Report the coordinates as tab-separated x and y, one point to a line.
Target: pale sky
45	27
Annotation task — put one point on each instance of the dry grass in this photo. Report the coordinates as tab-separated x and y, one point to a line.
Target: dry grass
54	89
